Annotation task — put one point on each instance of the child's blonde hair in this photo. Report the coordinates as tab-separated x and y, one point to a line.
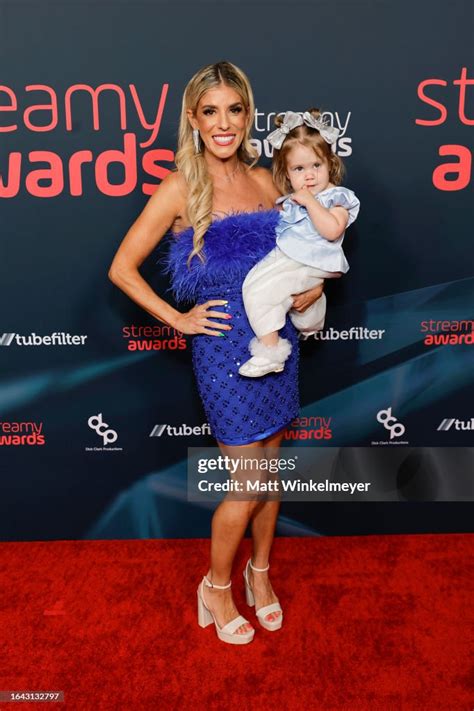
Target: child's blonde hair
310	137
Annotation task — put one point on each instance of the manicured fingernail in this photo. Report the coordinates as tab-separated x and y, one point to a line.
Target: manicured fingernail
221	334
228	316
224	302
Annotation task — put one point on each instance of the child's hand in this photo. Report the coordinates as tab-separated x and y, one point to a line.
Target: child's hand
303	196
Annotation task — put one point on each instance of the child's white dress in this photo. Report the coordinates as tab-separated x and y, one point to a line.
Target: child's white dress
301	260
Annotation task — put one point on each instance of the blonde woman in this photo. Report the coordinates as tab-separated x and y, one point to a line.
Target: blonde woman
220	209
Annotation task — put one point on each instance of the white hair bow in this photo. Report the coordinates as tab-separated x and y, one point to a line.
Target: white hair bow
291	120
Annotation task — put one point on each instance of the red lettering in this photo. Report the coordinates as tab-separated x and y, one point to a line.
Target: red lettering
52	108
12	187
75	173
13	107
462	169
58	167
431	102
159	114
463	82
95	103
157	171
128	158
54	174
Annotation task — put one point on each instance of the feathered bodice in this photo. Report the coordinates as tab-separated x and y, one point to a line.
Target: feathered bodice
232	246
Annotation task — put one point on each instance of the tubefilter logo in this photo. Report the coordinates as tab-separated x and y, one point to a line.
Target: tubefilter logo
33	339
451	422
180	430
354	333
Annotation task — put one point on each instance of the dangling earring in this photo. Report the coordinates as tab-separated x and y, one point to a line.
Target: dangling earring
196	139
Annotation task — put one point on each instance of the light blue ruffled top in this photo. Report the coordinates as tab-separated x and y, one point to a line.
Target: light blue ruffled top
298	238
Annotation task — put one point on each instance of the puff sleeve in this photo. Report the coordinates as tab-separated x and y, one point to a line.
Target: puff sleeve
341	197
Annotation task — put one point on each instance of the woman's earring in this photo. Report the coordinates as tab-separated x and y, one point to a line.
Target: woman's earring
196	139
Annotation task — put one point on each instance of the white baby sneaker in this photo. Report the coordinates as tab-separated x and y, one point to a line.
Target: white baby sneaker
265	359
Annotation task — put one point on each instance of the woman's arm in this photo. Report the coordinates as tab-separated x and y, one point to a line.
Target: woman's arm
156	218
164	206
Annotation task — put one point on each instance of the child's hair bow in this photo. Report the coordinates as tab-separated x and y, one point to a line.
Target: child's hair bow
291	120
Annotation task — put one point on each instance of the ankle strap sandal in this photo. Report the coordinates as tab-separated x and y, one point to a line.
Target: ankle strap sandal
210	584
262	612
258	570
227	633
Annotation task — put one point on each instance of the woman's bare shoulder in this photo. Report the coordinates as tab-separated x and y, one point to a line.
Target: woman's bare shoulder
173	192
166	206
170	195
261	173
174	184
265	179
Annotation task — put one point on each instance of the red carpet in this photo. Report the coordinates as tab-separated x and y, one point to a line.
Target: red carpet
376	622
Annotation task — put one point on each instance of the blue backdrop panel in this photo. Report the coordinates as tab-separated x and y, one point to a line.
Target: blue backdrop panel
88	119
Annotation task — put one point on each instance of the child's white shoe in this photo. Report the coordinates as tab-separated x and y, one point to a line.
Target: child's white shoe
265	359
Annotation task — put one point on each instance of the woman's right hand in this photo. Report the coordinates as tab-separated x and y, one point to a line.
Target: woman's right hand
197	320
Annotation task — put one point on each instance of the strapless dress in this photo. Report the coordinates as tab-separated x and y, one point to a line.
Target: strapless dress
239	410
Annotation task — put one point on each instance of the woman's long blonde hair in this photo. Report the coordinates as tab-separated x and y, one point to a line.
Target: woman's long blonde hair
193	165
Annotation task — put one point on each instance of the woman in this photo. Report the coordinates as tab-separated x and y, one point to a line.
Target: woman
208	261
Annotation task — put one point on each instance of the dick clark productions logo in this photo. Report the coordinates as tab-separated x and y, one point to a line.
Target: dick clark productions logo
102	429
390	423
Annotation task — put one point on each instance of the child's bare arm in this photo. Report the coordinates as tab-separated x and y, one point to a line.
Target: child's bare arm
331	222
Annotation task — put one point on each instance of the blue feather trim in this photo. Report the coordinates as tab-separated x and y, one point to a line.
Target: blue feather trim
232	246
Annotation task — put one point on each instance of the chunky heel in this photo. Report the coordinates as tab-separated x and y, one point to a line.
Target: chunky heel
262	612
204	616
249	595
228	632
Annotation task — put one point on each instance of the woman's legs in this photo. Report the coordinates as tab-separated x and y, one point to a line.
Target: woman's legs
229	524
263	526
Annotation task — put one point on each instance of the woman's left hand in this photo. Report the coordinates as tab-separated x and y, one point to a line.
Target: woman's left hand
304	300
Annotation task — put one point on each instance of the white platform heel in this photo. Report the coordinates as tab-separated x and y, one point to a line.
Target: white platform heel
262	612
228	632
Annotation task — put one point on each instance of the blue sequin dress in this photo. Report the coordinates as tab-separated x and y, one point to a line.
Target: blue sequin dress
239	410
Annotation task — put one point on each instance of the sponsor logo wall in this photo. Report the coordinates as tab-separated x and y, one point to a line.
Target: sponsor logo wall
96	395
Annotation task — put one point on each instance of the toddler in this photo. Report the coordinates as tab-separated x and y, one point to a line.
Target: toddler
310	232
